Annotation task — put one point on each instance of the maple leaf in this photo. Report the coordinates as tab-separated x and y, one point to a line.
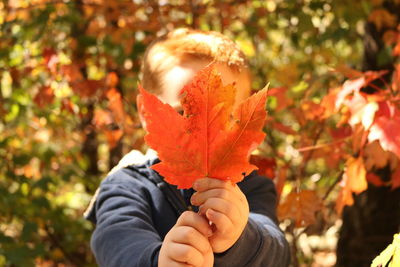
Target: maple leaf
387	131
115	104
300	207
44	96
211	139
375	156
266	166
374	179
382	18
362	111
354	180
355	85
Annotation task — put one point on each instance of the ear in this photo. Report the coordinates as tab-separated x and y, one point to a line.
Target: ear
140	108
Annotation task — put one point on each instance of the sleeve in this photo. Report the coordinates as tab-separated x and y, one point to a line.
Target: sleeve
124	234
262	243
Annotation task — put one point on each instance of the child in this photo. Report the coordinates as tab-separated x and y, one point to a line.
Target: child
143	221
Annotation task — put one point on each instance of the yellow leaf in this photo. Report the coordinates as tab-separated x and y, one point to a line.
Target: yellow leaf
390	254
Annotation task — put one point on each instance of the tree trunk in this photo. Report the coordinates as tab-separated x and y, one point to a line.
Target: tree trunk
369	225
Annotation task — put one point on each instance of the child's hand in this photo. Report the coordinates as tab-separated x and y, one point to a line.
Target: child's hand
186	244
225	206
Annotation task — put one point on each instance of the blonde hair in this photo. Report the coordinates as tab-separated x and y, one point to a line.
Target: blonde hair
183	44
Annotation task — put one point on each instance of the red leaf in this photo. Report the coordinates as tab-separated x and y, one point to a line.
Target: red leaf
374	179
283	128
44	96
210	139
266	166
300	207
51	59
341	133
387	131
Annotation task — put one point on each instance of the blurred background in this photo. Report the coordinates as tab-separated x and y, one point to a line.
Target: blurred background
69	72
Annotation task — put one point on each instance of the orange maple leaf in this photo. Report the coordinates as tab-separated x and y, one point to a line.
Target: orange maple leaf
211	138
300	207
354	180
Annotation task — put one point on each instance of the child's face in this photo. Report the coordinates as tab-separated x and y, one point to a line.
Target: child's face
177	77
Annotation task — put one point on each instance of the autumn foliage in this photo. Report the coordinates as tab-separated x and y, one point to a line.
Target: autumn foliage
213	138
68	85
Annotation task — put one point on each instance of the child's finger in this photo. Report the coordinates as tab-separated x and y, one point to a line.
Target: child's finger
199	198
209	183
206	184
192	219
190	236
223	206
185	254
221	221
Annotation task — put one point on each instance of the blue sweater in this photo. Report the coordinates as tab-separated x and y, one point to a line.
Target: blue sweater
133	214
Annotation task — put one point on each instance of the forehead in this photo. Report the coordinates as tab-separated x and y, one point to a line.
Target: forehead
175	78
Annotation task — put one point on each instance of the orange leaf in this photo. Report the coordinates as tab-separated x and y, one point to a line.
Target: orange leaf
280	181
311	110
382	18
210	139
113	137
374	156
300	207
396	77
354	180
396	49
102	118
115	104
112	79
356	175
345	198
